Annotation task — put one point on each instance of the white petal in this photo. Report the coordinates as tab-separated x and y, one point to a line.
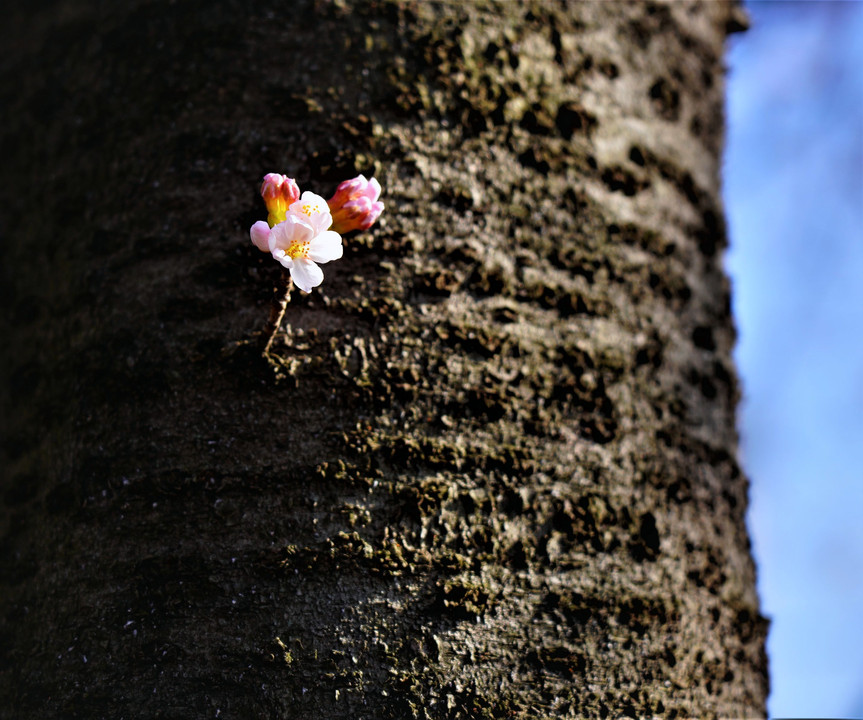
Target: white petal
292	230
283	258
326	246
260	233
375	190
313	209
309	204
322	221
306	274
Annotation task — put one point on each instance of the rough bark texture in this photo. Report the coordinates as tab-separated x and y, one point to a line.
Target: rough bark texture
494	474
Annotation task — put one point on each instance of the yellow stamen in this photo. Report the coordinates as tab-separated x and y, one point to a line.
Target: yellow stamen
298	250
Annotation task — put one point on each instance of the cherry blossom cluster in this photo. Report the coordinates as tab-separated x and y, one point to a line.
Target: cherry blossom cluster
304	230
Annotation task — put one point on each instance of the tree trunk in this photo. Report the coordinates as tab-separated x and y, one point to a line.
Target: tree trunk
491	470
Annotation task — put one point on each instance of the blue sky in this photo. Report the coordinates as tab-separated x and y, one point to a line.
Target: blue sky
793	178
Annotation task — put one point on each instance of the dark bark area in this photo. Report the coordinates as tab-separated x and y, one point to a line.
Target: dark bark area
493	473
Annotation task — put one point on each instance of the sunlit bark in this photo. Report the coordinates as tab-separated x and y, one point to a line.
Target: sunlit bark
489	469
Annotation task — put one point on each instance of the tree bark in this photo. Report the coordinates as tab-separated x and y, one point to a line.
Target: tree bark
490	470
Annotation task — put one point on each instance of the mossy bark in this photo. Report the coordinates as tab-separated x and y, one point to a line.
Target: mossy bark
490	469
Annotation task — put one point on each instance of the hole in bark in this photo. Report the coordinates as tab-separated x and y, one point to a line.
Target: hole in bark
666	100
703	338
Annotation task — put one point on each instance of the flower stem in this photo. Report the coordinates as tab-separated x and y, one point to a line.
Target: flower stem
281	298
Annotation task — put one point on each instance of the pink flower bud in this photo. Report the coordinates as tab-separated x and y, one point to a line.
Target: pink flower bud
260	233
278	191
355	205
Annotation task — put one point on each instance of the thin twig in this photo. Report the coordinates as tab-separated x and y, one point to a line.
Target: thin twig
281	298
